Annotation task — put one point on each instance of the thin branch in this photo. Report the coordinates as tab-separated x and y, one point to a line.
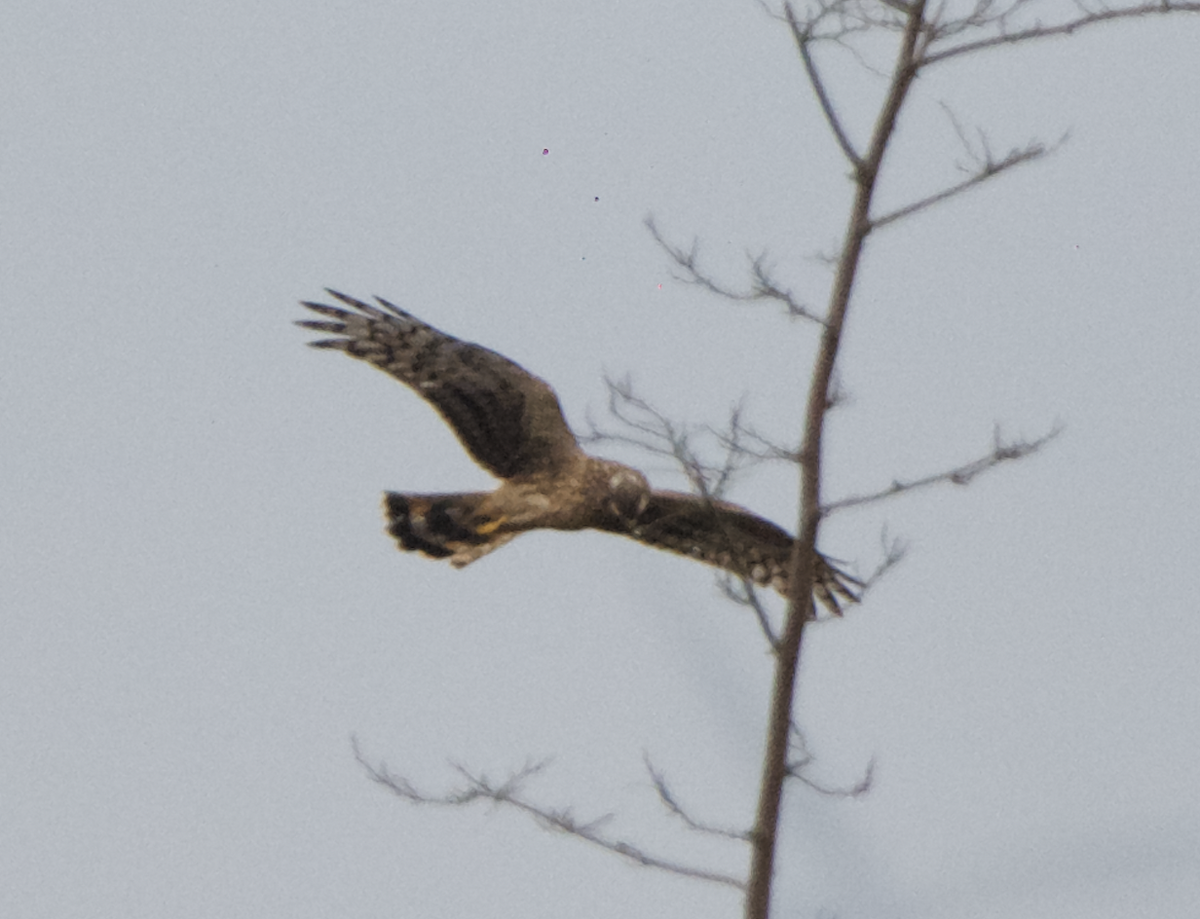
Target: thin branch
766	288
763	288
894	551
734	454
477	787
796	767
985	14
754	445
960	132
803	37
743	592
672	804
1002	451
857	790
989	170
656	434
1066	28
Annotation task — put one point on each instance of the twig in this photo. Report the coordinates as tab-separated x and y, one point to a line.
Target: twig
988	170
796	767
894	551
655	433
1001	452
477	787
743	592
857	790
1065	28
803	37
763	450
763	288
669	801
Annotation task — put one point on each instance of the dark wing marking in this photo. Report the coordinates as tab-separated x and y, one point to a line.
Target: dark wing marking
733	538
435	525
507	419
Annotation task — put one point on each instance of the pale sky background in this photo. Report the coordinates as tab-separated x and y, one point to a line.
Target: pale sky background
199	606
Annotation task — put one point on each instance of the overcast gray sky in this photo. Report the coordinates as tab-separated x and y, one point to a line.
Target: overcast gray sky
200	606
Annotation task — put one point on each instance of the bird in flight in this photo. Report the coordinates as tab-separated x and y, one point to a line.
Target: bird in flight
510	423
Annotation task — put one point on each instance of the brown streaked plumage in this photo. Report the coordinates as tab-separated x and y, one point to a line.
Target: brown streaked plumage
510	422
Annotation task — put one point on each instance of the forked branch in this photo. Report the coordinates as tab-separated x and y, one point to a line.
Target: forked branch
743	592
1002	451
797	767
676	809
803	36
511	793
652	431
1005	35
763	286
986	170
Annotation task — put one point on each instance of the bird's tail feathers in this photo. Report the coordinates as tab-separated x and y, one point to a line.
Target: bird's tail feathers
452	526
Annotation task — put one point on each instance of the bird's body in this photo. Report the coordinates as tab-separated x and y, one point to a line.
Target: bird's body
511	423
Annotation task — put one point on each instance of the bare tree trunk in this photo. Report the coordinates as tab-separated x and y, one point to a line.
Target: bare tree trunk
764	837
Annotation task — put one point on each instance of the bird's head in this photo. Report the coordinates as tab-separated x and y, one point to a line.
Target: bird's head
628	493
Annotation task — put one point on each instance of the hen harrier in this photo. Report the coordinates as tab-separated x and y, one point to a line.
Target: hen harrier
511	424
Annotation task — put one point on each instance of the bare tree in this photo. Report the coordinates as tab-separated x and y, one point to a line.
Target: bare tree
923	35
927	35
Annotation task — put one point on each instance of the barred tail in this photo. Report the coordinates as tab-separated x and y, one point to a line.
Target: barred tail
442	526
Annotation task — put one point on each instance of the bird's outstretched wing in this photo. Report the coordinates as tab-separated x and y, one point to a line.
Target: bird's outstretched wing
508	419
733	538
